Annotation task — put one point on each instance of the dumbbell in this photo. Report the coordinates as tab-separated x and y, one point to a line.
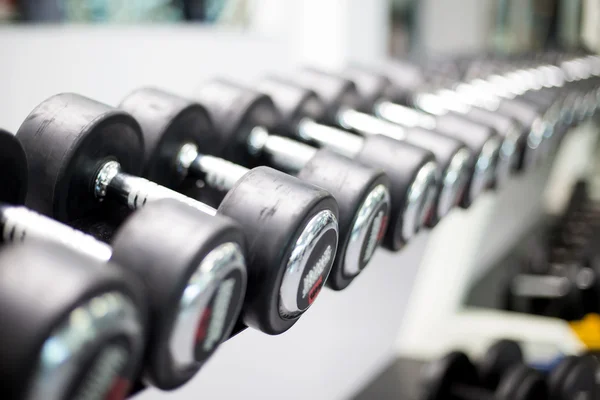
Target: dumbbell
499	358
296	104
90	314
568	290
572	377
362	193
575	377
556	294
13	164
195	282
413	172
71	327
550	86
468	99
340	108
455	377
376	97
496	85
560	275
95	150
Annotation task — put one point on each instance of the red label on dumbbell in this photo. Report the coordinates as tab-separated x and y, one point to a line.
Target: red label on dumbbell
107	375
219	315
375	233
316	269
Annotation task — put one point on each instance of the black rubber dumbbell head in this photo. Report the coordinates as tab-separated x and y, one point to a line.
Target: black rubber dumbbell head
279	212
549	105
371	85
454	377
13	169
235	113
534	124
168	121
522	383
513	134
401	162
574	377
441	375
67	138
456	163
357	190
335	92
498	359
481	140
94	314
406	77
190	318
293	104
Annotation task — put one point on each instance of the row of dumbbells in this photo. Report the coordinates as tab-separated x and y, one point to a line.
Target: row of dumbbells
560	273
502	374
178	271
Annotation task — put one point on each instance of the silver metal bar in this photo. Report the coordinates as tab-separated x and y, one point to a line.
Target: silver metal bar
341	141
283	152
217	173
369	125
19	224
540	286
404	116
135	192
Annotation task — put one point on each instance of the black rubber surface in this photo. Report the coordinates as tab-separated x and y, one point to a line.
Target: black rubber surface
292	102
521	110
406	78
350	183
66	139
574	376
498	358
544	97
273	208
13	169
235	110
372	86
441	375
522	383
40	284
473	134
444	147
401	162
164	244
335	91
168	121
503	124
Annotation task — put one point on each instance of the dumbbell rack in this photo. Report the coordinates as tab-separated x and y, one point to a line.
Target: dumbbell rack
347	337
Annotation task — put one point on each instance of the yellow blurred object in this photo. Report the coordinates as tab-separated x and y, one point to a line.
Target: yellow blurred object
588	331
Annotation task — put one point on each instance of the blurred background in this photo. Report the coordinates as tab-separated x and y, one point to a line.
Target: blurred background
418	303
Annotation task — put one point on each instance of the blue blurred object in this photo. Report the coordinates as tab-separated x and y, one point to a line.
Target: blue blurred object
549	365
101	10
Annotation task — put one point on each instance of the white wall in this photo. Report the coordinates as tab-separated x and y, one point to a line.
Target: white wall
448	26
